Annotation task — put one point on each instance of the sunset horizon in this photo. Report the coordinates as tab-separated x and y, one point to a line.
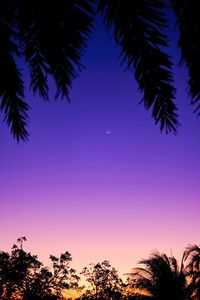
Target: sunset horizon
97	177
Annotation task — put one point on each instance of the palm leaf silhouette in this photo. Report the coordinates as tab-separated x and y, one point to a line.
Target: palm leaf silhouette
51	35
11	84
188	22
53	39
138	29
162	278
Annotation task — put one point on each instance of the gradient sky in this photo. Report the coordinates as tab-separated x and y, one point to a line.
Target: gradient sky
116	196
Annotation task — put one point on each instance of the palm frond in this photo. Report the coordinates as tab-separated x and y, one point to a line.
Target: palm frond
140	271
192	253
53	35
188	22
138	29
11	84
145	285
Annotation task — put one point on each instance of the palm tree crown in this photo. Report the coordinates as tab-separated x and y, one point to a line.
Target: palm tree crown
163	279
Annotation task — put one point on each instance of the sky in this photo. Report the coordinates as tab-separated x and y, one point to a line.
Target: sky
119	195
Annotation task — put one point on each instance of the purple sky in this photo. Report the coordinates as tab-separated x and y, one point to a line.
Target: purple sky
114	196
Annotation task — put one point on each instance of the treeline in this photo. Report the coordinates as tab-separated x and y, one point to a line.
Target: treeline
24	277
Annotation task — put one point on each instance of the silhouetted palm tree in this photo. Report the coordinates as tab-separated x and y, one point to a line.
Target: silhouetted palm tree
163	279
51	36
193	255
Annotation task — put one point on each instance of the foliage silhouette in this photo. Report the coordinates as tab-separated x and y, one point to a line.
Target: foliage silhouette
193	253
189	26
162	278
138	30
105	282
22	275
51	37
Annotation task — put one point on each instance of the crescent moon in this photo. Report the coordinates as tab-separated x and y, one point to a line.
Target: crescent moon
108	131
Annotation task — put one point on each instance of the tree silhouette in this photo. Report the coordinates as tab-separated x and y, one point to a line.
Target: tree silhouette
104	280
52	35
162	278
51	283
23	276
15	269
